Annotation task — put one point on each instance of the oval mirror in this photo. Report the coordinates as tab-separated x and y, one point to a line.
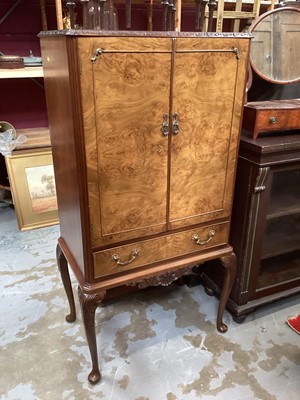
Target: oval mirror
275	47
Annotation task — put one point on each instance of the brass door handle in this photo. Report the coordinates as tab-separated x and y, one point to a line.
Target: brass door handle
196	238
176	128
116	258
97	53
165	125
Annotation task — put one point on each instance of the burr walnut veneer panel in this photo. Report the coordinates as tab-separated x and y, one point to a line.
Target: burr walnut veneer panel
159	249
145	131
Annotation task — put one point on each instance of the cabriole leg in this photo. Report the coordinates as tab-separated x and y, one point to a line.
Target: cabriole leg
89	304
65	276
229	263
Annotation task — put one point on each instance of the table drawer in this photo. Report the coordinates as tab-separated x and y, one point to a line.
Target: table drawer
125	258
277	120
268	116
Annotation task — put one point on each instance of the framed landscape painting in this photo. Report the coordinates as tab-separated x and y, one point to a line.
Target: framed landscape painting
32	183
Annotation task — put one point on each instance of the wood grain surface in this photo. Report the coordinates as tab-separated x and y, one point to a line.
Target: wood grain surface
270	116
159	249
204	101
131	165
36	137
208	87
128	168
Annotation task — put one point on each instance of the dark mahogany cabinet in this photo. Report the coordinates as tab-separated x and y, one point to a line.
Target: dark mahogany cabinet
265	228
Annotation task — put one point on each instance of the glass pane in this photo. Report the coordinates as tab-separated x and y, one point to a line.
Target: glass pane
279	269
285	194
280	256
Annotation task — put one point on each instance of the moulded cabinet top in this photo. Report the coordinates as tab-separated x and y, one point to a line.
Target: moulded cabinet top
171	34
279	146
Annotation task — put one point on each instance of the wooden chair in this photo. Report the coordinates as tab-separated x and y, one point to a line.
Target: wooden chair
237	14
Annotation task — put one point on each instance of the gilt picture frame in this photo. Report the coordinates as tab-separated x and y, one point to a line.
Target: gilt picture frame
32	184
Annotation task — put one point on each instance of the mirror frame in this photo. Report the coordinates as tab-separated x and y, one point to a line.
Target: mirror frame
252	28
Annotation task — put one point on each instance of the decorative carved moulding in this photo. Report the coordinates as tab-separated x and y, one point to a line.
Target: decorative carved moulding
163	280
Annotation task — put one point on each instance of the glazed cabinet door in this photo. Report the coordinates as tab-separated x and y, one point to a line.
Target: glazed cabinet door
207	98
277	238
126	92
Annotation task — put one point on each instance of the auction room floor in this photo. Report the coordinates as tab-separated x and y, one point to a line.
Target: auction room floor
156	344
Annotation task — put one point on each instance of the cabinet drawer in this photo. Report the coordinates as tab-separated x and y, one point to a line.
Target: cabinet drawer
278	119
125	258
271	116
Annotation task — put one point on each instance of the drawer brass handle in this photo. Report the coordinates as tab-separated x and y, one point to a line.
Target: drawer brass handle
97	53
196	238
273	120
134	254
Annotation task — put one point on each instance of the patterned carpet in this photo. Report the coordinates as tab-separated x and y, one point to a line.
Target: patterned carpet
157	344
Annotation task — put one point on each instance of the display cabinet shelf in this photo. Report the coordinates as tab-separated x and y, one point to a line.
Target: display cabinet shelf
36	138
282	268
281	236
284	208
26	72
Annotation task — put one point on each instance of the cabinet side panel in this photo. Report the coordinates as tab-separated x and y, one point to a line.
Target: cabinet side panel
60	114
87	48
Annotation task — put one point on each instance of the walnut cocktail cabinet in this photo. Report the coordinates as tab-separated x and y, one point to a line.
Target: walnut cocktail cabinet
145	133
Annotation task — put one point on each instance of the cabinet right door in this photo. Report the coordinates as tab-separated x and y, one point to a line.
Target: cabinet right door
278	266
208	89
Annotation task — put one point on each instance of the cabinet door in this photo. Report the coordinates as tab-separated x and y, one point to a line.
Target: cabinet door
208	91
127	155
278	266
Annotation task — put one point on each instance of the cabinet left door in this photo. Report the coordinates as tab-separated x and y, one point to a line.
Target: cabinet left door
126	93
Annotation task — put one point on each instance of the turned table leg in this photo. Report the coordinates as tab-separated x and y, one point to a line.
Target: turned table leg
65	276
229	263
89	303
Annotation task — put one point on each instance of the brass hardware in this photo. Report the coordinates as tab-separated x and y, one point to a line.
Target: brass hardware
261	179
273	120
237	53
196	238
165	125
134	254
176	128
98	52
